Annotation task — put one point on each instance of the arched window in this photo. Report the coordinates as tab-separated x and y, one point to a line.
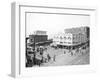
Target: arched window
69	38
64	37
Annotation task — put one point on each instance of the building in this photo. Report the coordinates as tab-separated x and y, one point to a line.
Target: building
72	37
38	37
80	34
39	32
63	39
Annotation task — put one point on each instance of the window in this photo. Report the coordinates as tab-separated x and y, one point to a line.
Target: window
61	37
64	37
69	38
69	42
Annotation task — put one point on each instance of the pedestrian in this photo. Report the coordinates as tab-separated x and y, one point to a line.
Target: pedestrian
71	53
48	57
54	57
64	52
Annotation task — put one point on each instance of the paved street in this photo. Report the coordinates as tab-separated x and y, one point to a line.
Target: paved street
66	59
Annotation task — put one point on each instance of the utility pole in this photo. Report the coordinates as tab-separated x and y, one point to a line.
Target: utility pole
34	43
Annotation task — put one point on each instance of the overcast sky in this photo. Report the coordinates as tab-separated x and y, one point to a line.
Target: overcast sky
53	23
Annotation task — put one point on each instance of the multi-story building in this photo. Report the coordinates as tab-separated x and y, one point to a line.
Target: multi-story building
72	36
63	39
80	34
38	36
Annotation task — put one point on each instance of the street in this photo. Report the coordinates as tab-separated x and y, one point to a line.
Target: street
66	58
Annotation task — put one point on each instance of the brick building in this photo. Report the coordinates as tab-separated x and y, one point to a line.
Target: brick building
80	34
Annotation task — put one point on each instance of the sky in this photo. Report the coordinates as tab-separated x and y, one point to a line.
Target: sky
53	23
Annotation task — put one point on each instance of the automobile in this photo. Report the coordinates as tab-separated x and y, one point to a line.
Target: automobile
53	44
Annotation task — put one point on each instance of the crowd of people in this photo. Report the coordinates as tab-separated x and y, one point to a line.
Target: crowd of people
40	55
37	57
